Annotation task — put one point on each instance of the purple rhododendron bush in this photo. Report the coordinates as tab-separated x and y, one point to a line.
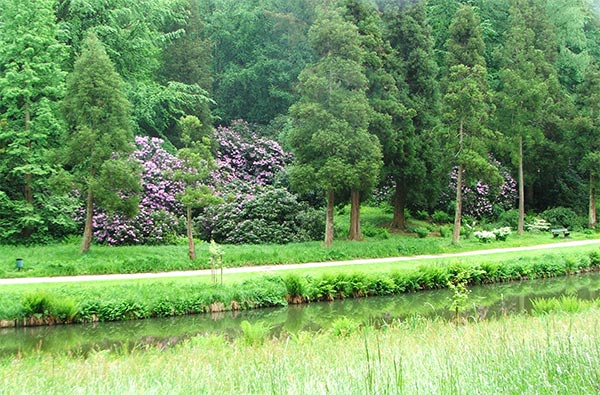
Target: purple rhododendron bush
160	215
253	209
479	199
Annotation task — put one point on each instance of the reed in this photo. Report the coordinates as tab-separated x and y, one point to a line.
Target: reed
550	354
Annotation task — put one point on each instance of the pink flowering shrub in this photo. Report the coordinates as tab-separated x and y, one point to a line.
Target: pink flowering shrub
253	211
244	156
159	210
259	214
479	199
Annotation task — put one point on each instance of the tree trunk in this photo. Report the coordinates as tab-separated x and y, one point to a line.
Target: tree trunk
521	226
190	234
89	215
355	232
329	219
399	220
458	211
592	212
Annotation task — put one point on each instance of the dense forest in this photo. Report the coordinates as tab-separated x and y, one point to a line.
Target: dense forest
253	121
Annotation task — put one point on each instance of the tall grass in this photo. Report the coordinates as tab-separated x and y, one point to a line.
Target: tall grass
550	354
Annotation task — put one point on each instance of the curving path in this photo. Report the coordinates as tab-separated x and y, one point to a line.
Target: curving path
271	268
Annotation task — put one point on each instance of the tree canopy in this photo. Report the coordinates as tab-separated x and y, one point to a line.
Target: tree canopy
375	101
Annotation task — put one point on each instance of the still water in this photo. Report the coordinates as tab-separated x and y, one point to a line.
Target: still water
484	301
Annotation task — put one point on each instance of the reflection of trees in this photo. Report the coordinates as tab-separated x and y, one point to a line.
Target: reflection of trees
487	301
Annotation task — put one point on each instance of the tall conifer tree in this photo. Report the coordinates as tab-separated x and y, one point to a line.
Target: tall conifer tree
331	143
467	103
522	92
587	134
31	85
413	159
100	138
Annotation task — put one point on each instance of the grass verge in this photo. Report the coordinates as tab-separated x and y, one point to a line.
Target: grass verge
126	300
65	260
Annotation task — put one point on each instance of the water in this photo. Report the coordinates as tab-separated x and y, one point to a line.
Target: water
484	302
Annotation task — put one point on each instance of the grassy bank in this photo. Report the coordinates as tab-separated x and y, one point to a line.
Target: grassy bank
64	259
126	300
553	353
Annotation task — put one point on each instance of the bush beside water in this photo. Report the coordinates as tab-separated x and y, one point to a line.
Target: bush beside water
146	300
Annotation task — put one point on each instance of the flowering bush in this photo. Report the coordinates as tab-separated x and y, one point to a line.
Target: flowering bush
484	236
251	213
501	233
260	214
243	155
479	199
159	209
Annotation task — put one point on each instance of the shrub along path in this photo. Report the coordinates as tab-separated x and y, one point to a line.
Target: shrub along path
270	268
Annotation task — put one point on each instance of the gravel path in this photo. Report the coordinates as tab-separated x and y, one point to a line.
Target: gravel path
272	268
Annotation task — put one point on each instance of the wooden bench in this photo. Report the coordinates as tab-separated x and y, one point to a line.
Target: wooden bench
556	232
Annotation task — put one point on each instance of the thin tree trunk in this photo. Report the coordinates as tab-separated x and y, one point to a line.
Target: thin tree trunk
329	219
592	212
459	182
399	219
89	215
521	226
458	211
355	232
190	235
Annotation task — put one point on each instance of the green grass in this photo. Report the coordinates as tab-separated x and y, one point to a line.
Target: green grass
557	353
134	299
64	259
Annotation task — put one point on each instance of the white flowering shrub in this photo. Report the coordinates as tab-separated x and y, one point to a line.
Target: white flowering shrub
501	233
484	236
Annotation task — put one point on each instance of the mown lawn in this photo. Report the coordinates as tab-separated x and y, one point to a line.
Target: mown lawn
65	259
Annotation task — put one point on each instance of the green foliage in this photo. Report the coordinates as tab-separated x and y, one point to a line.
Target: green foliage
509	218
98	117
125	301
441	217
413	152
565	303
262	48
421	232
329	135
375	232
445	231
267	215
467	105
295	286
44	305
562	217
344	327
254	334
32	83
460	293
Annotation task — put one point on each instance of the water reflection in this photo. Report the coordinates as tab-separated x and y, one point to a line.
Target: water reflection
484	301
